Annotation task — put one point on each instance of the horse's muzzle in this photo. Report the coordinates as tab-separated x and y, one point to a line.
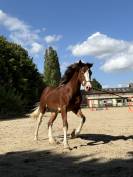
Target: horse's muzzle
88	88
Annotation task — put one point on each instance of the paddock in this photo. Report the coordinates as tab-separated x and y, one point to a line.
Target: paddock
104	148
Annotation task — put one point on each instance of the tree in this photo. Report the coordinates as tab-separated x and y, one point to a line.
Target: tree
52	74
96	85
18	73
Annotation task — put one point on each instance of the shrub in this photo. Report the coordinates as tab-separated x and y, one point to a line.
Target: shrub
11	102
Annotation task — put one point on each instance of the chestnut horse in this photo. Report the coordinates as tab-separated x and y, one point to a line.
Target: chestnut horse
66	97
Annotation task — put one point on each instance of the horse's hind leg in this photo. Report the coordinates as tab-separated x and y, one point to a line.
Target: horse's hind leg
39	120
50	124
77	131
65	127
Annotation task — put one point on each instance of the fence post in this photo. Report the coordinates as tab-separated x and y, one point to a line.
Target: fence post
130	103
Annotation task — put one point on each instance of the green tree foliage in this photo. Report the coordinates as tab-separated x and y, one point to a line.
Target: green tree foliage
96	85
11	101
17	72
52	74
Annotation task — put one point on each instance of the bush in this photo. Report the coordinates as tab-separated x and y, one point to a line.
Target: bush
11	102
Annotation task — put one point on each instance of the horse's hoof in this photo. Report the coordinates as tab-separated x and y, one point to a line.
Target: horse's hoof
66	149
73	134
35	138
53	141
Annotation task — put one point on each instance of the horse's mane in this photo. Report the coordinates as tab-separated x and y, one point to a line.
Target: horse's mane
69	73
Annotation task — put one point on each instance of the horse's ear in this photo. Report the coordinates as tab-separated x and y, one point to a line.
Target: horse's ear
90	65
80	62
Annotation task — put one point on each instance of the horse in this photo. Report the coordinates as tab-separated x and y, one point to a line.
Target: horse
66	97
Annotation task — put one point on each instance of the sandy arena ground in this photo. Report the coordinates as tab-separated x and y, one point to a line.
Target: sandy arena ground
104	148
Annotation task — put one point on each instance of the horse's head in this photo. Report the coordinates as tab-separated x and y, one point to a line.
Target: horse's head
85	75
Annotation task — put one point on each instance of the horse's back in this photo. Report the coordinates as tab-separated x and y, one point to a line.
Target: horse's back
46	92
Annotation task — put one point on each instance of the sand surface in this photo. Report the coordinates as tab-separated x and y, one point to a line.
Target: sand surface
104	148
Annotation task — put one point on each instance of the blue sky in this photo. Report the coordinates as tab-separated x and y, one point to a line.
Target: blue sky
97	31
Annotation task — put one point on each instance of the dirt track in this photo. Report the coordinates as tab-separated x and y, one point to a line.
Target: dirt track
105	147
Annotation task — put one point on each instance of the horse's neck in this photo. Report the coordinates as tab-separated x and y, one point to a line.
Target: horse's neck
74	83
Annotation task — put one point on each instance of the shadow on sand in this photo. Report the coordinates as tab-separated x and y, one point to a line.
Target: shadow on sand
49	164
13	117
102	138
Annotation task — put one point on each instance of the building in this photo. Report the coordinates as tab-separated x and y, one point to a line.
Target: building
110	97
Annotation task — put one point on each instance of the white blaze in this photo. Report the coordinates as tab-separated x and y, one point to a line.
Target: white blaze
87	80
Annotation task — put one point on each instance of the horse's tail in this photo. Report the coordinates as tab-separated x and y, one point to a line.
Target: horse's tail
35	113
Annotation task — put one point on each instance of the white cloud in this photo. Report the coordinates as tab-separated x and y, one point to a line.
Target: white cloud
12	23
25	35
36	48
115	54
21	33
52	38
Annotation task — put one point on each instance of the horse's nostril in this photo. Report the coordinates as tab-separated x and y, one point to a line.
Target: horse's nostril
88	88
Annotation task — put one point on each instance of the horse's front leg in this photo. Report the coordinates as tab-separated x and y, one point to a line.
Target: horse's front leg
65	127
77	131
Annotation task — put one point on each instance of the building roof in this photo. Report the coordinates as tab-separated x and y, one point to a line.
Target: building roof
109	91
